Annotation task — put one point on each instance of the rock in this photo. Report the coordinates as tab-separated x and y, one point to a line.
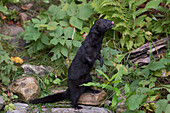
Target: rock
23	17
13	31
121	106
2	102
26	88
39	70
24	108
108	102
90	98
85	109
19	108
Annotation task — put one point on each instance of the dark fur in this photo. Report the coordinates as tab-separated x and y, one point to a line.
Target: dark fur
79	71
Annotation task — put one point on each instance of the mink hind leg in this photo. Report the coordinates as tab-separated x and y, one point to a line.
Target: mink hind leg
88	88
75	93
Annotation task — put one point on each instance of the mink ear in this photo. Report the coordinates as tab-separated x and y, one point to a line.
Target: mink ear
97	22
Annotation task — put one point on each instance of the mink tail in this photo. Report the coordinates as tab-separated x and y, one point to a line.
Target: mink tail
52	98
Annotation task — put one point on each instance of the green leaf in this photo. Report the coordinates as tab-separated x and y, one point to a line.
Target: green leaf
145	72
53	9
129	45
64	23
68	32
135	101
140	111
11	105
114	51
140	41
64	51
85	30
36	46
168	97
84	12
56	51
39	23
3	9
76	43
119	58
101	72
127	88
69	43
74	21
46	1
59	31
61	15
118	76
57	81
153	4
54	41
31	33
114	100
122	42
156	66
161	105
36	21
5	37
167	109
40	45
108	62
117	91
62	41
52	26
72	9
45	40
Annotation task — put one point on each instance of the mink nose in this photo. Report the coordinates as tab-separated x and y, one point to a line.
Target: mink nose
112	22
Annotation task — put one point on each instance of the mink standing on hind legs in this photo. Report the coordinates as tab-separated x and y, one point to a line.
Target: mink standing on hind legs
79	71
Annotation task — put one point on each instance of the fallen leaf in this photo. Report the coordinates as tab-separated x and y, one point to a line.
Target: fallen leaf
26	7
2	16
17	60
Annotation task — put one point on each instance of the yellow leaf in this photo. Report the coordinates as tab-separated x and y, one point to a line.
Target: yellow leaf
17	60
118	66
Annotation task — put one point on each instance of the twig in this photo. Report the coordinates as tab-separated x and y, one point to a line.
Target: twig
73	33
50	22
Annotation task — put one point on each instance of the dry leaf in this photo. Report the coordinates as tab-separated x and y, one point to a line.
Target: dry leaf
17	60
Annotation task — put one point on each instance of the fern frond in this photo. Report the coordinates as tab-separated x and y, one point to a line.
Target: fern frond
109	3
111	9
121	24
125	33
137	3
116	15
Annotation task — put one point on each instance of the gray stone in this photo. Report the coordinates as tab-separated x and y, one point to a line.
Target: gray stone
89	98
26	88
12	31
85	109
121	106
19	108
24	108
38	70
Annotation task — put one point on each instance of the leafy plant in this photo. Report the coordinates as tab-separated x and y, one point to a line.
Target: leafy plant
6	65
58	29
8	98
49	79
135	24
110	84
146	91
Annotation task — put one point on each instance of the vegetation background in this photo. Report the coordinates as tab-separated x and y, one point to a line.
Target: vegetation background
55	29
